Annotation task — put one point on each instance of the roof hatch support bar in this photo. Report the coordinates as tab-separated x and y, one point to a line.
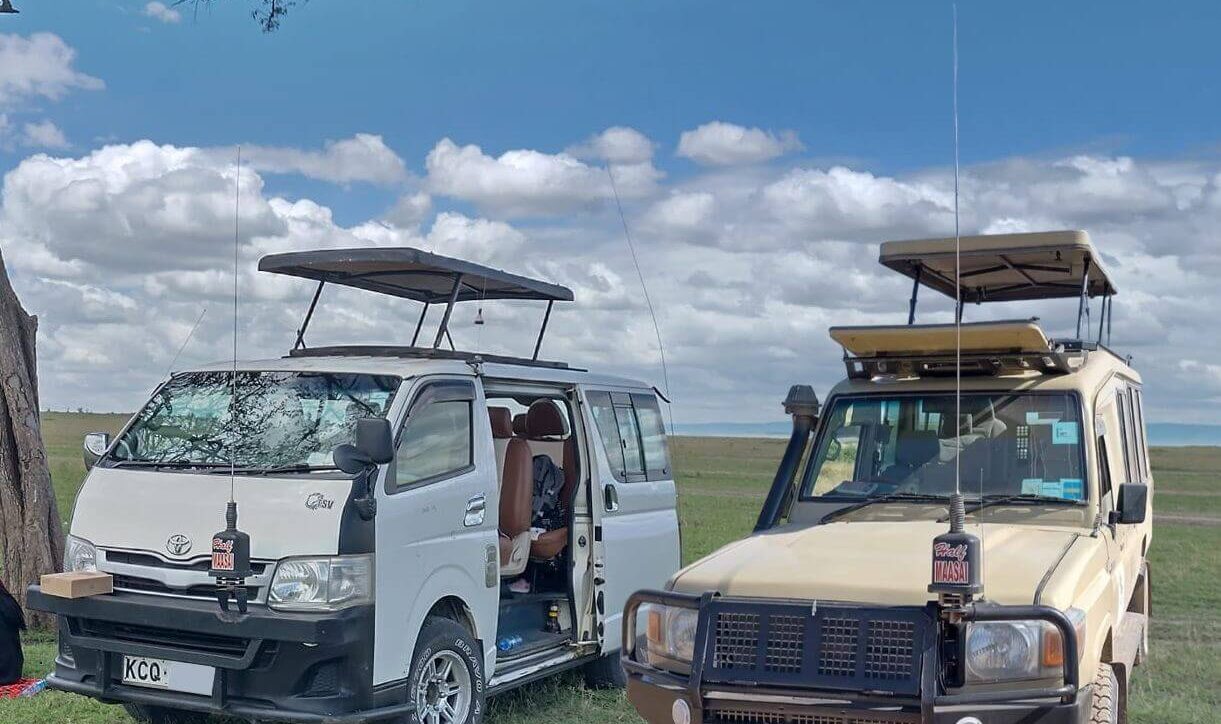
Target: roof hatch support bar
418	325
449	309
309	314
911	310
1102	316
1083	308
1110	311
543	330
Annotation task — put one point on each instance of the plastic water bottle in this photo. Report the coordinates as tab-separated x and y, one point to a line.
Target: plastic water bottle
508	643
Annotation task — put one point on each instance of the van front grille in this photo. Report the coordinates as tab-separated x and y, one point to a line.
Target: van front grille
147	585
175	638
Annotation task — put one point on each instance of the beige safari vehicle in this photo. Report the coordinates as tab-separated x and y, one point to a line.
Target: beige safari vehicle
924	556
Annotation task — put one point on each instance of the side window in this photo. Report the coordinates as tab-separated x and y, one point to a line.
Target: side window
1104	470
1138	434
1125	435
633	435
652	436
1142	434
436	438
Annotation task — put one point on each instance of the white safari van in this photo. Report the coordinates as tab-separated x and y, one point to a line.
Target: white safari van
426	526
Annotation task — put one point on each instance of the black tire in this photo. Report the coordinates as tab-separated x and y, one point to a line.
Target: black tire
1105	707
605	672
161	715
444	643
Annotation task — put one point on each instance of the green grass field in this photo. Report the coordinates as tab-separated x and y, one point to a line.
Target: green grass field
721	485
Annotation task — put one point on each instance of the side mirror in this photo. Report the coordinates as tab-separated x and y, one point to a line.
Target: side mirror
374	446
96	445
1133	502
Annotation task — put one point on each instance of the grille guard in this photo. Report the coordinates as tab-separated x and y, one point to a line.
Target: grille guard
927	694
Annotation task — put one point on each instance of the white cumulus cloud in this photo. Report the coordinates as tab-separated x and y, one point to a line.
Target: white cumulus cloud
524	182
618	144
161	11
727	144
363	157
44	134
39	66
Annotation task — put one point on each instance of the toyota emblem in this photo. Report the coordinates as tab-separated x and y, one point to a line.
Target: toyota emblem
178	544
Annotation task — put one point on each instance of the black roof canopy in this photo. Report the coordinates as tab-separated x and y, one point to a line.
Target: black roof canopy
412	274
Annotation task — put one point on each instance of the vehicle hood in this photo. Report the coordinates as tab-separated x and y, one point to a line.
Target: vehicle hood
141	510
872	562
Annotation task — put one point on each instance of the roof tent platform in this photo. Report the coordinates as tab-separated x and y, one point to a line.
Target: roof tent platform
931	349
412	274
1005	268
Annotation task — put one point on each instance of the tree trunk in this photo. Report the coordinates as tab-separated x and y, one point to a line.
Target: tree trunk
31	534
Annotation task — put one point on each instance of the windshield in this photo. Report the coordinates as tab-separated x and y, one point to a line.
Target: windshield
281	419
1009	444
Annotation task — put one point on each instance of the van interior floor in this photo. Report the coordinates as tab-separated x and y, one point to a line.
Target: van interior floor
524	620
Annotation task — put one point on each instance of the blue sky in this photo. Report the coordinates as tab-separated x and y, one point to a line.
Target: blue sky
866	82
763	149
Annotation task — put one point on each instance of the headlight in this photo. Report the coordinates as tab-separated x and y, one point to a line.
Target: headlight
322	584
668	638
80	555
1005	650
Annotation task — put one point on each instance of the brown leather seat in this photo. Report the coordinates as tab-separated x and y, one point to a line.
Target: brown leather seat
519	424
516	493
545	423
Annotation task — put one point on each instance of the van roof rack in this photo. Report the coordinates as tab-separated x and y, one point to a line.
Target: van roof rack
412	274
1006	268
424	353
928	350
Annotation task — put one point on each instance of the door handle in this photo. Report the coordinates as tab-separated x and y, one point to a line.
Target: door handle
476	509
611	498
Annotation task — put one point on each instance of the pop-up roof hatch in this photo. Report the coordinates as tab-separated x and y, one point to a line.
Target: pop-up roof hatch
412	274
1006	268
991	268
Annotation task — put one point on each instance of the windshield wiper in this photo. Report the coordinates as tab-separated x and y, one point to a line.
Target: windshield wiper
889	498
1021	499
173	464
277	469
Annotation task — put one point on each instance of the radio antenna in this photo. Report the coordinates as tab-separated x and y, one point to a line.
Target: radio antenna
959	505
631	247
231	547
957	555
237	216
170	368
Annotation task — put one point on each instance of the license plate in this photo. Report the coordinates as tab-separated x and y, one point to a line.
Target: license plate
169	675
140	671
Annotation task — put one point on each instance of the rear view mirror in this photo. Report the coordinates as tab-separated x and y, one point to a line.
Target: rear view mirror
96	445
374	446
1133	502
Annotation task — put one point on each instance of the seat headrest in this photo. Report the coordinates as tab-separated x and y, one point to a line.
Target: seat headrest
916	447
544	419
502	422
519	424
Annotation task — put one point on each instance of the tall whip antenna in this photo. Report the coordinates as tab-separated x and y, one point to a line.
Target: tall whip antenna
237	224
185	342
957	555
661	348
957	286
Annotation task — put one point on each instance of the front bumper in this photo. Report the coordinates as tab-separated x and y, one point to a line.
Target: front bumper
796	690
655	695
270	666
